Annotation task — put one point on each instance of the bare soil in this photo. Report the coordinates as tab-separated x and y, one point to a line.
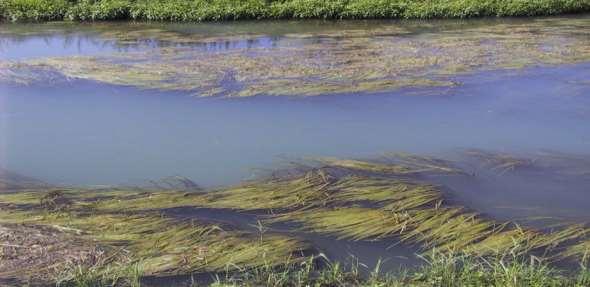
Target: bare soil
34	253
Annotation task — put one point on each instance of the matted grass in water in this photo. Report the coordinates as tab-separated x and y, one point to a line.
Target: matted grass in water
382	58
358	206
357	200
161	245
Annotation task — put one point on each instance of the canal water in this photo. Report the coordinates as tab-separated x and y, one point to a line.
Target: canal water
125	103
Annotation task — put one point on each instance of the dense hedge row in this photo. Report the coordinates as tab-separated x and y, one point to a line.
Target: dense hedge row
211	10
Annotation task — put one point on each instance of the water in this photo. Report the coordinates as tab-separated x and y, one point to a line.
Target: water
394	256
86	133
98	131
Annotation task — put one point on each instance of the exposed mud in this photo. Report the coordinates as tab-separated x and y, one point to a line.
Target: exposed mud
39	253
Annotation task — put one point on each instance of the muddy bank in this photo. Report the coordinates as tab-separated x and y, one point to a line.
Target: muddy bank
353	211
40	253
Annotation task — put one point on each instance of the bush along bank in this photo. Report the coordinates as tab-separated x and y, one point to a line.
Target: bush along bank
217	10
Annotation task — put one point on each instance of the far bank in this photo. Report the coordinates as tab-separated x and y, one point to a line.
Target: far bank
218	10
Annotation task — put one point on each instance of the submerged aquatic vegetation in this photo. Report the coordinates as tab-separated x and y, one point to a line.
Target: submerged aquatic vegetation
579	250
563	163
499	162
394	164
358	206
365	166
361	207
348	199
367	59
548	162
162	245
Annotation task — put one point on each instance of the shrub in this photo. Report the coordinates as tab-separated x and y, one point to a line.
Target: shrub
87	10
33	10
216	10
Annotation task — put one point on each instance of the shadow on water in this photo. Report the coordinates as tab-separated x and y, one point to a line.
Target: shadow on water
478	171
544	191
395	256
363	254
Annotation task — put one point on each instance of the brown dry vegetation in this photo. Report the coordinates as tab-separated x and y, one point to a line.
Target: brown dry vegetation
38	251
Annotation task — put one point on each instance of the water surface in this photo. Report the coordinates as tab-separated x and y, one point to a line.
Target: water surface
73	124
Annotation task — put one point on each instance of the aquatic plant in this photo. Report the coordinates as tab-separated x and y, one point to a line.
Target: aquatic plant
361	207
349	199
563	163
580	250
365	166
361	60
499	162
163	246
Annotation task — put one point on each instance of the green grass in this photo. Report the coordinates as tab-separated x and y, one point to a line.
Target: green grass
215	10
78	275
438	270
